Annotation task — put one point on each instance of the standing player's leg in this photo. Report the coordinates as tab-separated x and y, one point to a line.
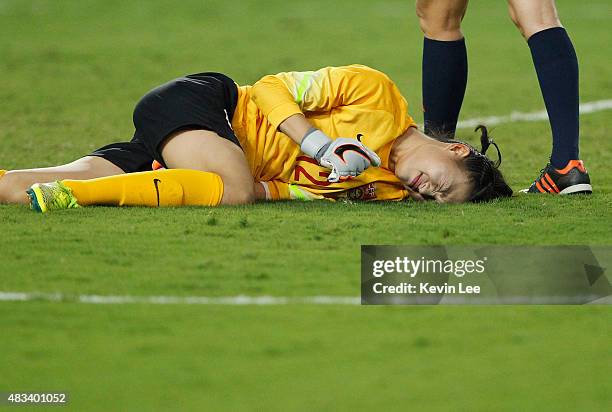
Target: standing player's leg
14	183
445	66
556	65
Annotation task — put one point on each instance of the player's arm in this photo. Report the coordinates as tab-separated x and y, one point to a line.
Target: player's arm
278	190
272	190
284	97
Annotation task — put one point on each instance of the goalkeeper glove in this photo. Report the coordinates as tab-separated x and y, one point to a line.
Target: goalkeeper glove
345	157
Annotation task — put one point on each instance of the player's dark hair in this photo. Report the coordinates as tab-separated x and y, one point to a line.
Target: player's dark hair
488	181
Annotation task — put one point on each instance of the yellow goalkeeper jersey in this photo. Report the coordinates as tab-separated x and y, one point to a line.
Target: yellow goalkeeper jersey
342	102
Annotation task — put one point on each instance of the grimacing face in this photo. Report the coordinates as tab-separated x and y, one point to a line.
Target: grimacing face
436	172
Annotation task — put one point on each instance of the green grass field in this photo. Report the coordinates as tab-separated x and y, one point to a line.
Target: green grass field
71	72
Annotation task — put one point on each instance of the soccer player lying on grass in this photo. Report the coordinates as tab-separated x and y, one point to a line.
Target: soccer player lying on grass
336	132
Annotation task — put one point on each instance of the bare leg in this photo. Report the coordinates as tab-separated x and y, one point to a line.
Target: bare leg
15	182
533	16
206	151
441	19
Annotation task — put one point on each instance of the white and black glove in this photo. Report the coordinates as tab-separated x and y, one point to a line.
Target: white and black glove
345	157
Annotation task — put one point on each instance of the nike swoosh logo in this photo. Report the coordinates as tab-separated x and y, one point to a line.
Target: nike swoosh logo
350	148
156	182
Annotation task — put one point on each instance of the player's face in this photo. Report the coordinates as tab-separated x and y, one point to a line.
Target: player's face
436	172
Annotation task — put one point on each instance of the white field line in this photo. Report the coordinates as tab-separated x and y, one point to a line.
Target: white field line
242	300
179	300
585	108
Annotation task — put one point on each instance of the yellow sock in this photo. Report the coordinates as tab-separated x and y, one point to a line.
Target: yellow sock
172	187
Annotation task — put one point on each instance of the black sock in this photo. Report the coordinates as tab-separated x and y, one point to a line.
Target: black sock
445	70
556	64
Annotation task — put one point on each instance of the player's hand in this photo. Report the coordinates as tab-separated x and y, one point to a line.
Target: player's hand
345	157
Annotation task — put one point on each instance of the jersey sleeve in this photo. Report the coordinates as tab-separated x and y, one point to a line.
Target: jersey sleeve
285	94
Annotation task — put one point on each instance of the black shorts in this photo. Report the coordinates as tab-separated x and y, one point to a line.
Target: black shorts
198	101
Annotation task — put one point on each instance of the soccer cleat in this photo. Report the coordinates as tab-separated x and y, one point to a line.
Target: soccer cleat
51	196
572	179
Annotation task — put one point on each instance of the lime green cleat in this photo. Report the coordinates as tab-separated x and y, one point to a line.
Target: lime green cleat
51	196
